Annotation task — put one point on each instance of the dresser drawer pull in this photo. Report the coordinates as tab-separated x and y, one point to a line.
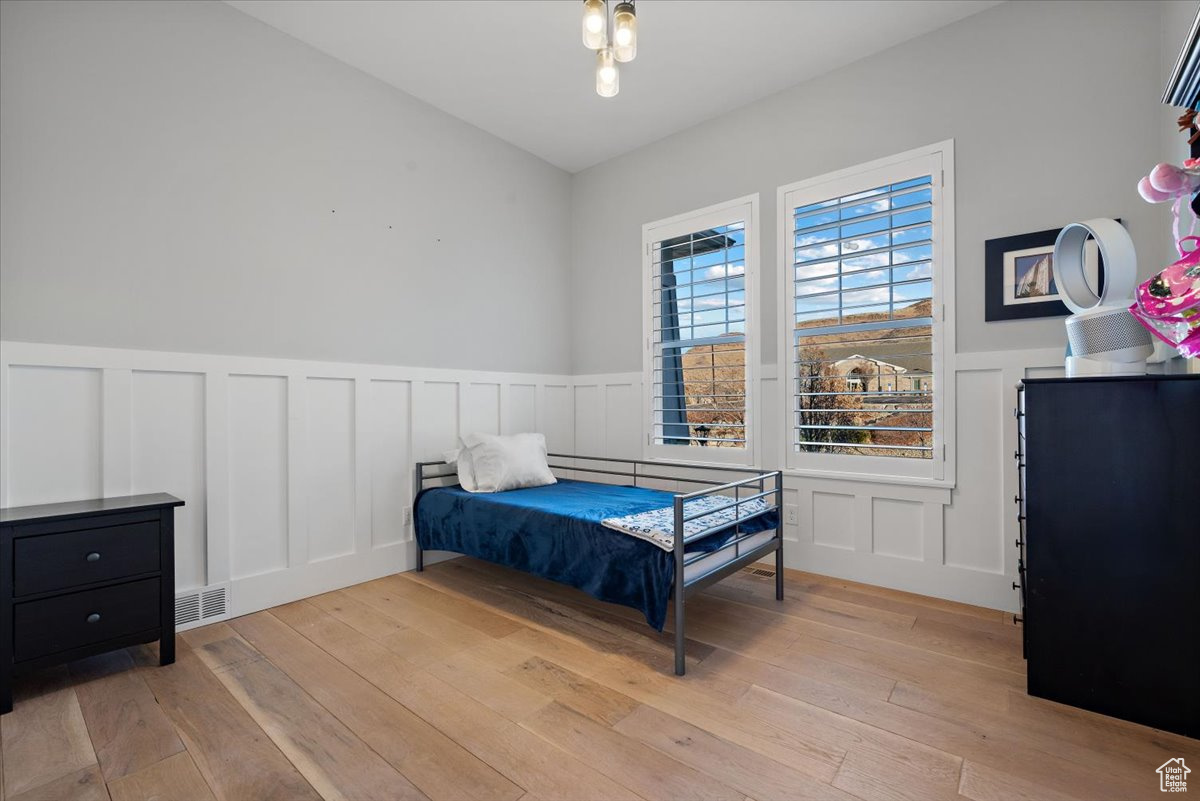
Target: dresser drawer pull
93	557
94	617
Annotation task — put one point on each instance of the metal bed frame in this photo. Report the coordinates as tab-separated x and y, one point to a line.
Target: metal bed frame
767	485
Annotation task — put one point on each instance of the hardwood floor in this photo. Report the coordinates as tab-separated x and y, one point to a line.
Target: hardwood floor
469	681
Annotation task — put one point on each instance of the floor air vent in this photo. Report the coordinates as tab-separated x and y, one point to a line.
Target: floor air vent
201	606
761	571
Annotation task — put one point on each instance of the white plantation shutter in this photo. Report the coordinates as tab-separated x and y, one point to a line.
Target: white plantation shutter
697	353
862	265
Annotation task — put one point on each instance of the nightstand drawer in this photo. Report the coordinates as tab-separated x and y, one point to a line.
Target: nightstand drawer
70	621
71	558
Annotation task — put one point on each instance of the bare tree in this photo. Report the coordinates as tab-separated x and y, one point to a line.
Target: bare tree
824	401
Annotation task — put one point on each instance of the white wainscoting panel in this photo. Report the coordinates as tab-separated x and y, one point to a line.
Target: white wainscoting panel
556	417
331	488
435	418
522	408
297	476
590	421
831	519
166	415
481	408
258	474
387	435
622	435
985	397
54	437
897	528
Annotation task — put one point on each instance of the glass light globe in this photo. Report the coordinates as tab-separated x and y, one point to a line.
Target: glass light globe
624	32
595	24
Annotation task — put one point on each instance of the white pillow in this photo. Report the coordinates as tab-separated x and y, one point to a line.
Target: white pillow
505	463
461	458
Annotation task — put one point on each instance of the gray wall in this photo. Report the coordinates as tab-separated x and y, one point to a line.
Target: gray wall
1054	109
190	205
179	176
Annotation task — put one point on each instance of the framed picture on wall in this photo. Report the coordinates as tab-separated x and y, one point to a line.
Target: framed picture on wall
1019	276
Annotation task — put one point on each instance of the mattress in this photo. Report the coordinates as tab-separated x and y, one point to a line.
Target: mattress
708	564
556	532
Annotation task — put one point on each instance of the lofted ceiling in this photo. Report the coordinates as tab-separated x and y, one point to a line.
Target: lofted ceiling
518	69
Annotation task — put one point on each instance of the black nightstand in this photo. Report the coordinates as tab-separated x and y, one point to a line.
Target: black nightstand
85	577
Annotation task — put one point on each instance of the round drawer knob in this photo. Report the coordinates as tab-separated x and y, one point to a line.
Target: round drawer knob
93	557
94	617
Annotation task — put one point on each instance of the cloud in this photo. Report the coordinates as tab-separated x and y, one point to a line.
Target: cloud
859	297
723	271
919	253
817	286
822	252
867	208
918	271
867	262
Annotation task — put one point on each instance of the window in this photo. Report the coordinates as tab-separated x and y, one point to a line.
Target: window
700	270
865	273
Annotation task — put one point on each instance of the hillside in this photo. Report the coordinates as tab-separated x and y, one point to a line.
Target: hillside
714	382
895	345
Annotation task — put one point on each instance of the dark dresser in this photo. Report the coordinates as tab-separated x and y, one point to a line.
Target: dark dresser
1110	545
84	577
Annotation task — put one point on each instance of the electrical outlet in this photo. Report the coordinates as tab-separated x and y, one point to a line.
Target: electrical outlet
407	516
791	515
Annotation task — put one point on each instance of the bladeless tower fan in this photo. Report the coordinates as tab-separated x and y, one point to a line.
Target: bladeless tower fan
1103	337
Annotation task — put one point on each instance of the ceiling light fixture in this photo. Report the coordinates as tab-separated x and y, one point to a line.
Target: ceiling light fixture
624	32
623	47
595	24
608	80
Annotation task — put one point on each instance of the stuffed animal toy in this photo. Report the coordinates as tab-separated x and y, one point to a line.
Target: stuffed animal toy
1168	182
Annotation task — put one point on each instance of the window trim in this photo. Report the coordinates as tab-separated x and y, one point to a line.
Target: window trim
937	160
743	208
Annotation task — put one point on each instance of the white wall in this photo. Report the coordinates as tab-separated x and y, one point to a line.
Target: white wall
180	176
1055	115
297	475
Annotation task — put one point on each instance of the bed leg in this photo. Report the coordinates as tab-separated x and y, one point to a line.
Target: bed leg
779	571
680	655
680	660
418	485
779	534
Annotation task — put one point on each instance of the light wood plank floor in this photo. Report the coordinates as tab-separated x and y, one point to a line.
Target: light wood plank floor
472	681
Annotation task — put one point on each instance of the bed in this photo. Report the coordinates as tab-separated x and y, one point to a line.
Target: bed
558	531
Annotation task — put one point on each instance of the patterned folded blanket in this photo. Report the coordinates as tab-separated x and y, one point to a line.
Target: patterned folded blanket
658	525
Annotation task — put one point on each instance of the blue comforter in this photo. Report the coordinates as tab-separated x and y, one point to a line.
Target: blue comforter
555	532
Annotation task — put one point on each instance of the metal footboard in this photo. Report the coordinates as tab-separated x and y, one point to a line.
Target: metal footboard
685	586
758	485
